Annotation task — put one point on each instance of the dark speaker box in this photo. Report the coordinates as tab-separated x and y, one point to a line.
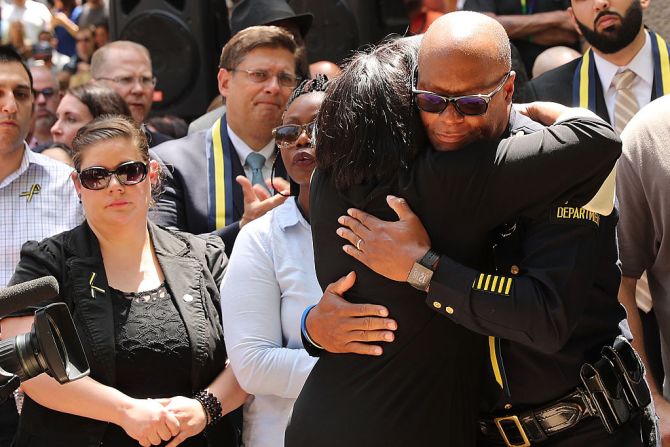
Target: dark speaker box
185	38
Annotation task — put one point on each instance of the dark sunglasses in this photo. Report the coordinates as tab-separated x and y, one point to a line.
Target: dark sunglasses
47	92
289	133
467	105
128	173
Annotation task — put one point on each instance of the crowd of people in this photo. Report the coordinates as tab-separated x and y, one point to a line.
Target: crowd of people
399	248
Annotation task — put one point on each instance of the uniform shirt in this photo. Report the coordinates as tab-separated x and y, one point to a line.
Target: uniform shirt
243	150
269	281
643	67
38	200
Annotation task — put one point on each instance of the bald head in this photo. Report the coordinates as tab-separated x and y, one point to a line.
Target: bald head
464	33
552	58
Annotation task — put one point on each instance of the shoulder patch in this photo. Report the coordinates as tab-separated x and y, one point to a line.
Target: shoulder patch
572	214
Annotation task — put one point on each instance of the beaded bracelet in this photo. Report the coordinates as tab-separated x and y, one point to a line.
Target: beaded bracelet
211	404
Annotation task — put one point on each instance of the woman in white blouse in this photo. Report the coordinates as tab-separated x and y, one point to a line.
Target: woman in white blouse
270	281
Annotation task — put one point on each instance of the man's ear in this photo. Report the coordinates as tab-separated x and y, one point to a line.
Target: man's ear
508	88
644	4
573	19
154	172
224	76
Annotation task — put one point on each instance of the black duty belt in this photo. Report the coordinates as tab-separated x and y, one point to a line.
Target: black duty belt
614	391
536	425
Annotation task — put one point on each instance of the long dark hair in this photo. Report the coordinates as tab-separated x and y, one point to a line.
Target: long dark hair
368	128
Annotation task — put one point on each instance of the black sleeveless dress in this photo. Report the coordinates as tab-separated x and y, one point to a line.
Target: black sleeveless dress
425	390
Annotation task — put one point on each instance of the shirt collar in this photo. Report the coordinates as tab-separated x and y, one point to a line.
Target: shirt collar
243	150
642	65
288	215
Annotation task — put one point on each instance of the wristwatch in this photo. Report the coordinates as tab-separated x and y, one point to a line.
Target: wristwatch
422	271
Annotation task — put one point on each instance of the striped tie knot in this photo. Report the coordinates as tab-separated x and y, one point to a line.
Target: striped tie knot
623	80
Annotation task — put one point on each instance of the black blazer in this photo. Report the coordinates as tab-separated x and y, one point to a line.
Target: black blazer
183	201
556	86
191	265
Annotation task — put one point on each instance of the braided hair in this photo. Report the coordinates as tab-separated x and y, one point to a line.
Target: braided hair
318	84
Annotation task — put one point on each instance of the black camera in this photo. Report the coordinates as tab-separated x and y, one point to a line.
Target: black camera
52	346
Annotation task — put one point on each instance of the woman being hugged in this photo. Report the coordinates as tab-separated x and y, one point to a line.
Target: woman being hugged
271	280
145	303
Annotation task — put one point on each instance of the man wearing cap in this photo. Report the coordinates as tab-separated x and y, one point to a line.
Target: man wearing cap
257	74
249	13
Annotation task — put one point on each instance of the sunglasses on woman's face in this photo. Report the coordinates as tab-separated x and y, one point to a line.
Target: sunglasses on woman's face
467	105
128	173
289	133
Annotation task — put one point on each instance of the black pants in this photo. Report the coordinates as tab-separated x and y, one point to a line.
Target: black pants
588	433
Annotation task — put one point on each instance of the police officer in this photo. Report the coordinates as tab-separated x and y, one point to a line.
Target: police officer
549	306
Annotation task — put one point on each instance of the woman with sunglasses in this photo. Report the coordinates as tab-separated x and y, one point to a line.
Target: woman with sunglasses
270	280
145	302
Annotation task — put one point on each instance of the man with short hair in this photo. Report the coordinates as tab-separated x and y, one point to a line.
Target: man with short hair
37	197
257	75
125	66
47	98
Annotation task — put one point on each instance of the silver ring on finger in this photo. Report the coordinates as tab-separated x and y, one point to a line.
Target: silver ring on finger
358	244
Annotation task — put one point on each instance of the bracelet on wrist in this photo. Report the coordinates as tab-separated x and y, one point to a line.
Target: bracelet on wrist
211	404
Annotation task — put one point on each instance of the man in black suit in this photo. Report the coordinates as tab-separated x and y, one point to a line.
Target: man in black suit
619	42
256	76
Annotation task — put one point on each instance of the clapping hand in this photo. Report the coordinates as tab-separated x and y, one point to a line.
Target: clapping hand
257	200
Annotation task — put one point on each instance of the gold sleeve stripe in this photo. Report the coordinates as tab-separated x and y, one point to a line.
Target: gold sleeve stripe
509	286
494	361
486	284
499	285
493	284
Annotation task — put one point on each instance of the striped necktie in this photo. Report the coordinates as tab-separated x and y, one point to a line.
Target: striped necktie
625	105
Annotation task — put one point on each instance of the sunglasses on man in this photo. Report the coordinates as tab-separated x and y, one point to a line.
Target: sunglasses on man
466	105
128	174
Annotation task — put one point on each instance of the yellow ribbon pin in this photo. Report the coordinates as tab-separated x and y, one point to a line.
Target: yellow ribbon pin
34	189
94	288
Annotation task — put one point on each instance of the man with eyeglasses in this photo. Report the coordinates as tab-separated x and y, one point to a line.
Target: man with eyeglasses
548	305
216	179
37	198
47	98
125	66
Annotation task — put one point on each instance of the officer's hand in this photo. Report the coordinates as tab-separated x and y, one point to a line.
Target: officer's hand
341	327
388	248
543	112
257	200
663	412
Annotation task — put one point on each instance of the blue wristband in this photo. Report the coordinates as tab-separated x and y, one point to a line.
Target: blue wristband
303	328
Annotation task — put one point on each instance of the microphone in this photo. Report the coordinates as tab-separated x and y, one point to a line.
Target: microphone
29	293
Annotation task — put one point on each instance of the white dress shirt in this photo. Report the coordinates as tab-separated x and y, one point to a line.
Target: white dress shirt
53	207
643	67
243	150
269	282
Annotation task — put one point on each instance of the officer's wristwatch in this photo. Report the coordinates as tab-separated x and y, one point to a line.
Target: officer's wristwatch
422	271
